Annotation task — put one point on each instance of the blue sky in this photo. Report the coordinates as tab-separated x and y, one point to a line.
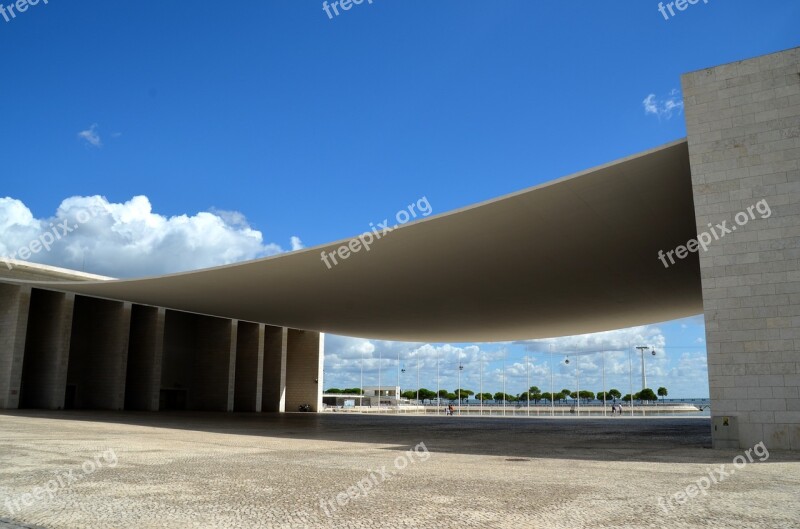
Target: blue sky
217	132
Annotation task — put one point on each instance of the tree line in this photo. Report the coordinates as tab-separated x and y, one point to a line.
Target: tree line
534	393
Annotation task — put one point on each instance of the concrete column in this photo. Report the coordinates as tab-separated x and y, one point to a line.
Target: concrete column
210	360
233	341
44	368
304	361
743	122
98	356
249	366
274	372
14	306
260	367
145	351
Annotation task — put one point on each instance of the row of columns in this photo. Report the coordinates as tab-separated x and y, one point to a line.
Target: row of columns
59	350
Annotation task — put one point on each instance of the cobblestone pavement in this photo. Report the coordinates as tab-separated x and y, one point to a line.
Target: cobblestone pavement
195	470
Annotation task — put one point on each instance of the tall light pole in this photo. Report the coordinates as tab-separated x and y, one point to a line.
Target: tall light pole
397	390
418	379
630	379
528	376
380	366
505	353
642	349
480	390
577	386
398	396
552	400
458	390
361	401
438	398
604	383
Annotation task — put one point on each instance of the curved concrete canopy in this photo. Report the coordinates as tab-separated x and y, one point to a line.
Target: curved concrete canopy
571	256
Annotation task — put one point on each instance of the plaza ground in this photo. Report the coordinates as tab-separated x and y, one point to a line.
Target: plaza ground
210	470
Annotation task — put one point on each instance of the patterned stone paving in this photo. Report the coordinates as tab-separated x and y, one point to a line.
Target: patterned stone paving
156	470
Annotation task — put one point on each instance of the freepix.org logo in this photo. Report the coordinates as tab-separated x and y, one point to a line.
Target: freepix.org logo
11	11
366	239
680	5
715	233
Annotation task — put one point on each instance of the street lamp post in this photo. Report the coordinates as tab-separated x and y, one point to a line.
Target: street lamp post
398	396
362	380
397	390
458	390
480	390
380	366
438	398
577	387
642	349
504	382
528	376
604	383
552	400
418	381
630	380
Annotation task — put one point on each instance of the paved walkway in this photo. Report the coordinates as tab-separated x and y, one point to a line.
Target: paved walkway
156	470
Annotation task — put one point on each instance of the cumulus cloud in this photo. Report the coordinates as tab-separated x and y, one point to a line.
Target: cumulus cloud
663	107
91	136
129	239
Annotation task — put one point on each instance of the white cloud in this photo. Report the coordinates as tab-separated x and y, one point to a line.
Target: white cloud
493	365
91	136
129	239
297	244
664	107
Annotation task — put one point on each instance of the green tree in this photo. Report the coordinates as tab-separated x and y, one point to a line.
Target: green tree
443	393
626	398
409	394
546	396
587	395
426	394
462	394
334	391
614	394
451	397
536	394
601	395
352	391
483	397
647	394
662	392
500	396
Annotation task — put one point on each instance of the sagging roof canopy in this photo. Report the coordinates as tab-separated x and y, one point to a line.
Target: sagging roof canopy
567	257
